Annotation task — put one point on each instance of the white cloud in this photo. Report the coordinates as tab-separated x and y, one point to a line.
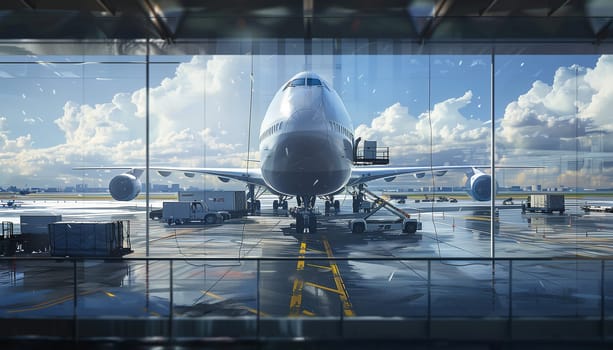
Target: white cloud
554	117
570	115
199	116
406	134
199	110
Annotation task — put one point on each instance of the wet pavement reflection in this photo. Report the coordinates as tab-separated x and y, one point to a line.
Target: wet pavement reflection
332	273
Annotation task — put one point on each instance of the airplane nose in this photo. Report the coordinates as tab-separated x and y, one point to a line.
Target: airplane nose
301	118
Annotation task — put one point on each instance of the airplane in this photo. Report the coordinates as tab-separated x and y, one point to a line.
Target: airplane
11	203
307	150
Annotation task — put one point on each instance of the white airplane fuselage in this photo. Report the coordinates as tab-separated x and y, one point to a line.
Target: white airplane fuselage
306	139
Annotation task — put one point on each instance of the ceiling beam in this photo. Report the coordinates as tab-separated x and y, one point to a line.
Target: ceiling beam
106	7
488	8
554	10
603	33
157	21
307	15
29	4
439	13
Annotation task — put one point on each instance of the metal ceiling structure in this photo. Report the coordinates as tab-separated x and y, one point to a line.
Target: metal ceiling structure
532	26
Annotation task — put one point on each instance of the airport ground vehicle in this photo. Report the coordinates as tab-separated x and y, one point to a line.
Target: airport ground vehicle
186	212
155	214
233	202
597	208
371	223
544	203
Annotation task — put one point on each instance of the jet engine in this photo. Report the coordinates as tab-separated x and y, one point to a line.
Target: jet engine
124	187
479	186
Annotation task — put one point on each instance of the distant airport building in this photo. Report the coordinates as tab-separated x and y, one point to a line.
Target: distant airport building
536	188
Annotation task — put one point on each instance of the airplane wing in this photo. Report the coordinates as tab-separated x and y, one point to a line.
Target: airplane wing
251	175
365	174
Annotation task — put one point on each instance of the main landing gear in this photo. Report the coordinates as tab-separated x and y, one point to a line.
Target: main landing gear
332	204
281	203
253	205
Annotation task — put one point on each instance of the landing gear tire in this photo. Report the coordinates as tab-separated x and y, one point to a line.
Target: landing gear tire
275	204
312	224
327	208
358	228
337	206
299	224
410	227
284	206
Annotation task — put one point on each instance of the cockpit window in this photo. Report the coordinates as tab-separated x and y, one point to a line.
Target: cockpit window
313	82
303	82
297	82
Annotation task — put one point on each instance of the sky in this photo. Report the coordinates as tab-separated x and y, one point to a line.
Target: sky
550	111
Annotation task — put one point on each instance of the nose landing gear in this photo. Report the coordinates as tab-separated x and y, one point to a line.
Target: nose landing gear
305	217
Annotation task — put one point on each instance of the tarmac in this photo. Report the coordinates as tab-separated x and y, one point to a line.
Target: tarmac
257	268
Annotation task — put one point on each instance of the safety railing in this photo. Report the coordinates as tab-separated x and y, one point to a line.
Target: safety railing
307	297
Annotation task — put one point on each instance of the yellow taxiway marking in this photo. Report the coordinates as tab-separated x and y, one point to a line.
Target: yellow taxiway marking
50	303
152	313
319	266
219	297
340	285
340	292
295	302
213	295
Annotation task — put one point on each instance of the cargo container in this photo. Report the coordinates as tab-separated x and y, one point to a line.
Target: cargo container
99	239
234	202
34	232
9	244
544	203
37	224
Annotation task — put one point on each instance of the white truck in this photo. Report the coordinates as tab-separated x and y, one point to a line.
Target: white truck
180	213
544	203
233	202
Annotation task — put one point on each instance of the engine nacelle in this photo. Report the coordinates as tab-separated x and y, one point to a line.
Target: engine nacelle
124	187
480	186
